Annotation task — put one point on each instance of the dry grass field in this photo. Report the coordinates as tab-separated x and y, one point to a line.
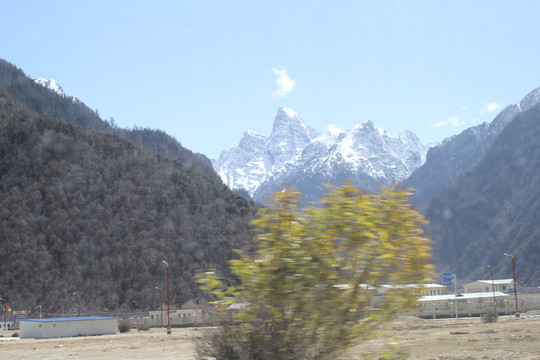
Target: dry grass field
441	339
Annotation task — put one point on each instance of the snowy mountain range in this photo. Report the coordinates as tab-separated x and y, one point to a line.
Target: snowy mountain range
295	154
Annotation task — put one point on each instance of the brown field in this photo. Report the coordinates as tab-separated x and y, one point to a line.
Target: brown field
448	339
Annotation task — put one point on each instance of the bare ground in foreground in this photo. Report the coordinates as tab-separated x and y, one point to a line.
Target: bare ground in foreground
444	339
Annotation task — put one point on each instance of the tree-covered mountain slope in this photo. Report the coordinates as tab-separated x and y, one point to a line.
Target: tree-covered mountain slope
494	209
91	212
50	103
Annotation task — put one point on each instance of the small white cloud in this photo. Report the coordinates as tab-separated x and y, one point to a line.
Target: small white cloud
284	83
493	106
465	108
490	107
452	121
334	130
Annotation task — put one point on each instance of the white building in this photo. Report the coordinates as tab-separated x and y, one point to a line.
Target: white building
177	316
468	304
502	285
67	327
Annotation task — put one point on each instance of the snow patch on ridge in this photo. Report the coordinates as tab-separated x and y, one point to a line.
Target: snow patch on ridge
50	84
289	112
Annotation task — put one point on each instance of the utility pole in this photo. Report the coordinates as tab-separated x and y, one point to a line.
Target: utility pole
160	304
5	312
168	314
78	302
515	284
493	289
455	295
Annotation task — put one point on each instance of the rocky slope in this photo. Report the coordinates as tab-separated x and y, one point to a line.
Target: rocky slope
493	208
456	155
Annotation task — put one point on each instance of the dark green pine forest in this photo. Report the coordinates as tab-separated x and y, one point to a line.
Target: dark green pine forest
90	208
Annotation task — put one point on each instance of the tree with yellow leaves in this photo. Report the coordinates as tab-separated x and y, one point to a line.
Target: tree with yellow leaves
311	285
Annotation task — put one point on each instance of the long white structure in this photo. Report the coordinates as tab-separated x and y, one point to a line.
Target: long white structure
468	304
67	327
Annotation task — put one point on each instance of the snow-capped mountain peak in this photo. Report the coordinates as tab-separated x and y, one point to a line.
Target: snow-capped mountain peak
288	120
296	153
282	110
290	135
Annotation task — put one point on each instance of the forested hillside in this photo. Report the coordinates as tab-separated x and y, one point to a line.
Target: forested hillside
50	104
91	212
494	209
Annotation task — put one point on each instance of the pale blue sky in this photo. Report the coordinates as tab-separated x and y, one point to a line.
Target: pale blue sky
206	71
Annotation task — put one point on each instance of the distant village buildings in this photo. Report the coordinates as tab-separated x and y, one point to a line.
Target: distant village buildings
434	301
479	297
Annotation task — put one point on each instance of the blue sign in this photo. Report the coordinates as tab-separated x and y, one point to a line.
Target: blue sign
17	318
448	279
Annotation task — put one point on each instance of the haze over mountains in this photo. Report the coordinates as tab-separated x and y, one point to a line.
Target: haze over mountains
89	207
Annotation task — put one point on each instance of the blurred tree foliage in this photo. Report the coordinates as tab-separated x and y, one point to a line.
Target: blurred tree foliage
90	211
310	285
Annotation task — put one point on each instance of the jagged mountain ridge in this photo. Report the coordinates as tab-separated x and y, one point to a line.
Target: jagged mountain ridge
257	158
296	154
446	161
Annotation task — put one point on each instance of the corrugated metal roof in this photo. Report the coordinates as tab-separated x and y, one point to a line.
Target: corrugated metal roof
238	306
495	282
466	296
414	286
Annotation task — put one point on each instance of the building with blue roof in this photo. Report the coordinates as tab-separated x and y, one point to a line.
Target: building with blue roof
68	327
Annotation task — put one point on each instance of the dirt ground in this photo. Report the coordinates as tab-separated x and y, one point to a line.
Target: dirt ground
441	339
462	339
